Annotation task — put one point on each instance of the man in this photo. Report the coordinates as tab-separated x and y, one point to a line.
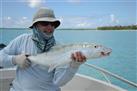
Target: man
31	77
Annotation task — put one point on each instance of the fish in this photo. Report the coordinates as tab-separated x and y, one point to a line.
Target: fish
60	55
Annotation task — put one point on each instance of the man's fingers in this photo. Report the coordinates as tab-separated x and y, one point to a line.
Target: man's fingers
78	56
26	64
73	57
84	58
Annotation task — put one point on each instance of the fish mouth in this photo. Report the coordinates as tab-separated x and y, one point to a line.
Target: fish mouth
105	53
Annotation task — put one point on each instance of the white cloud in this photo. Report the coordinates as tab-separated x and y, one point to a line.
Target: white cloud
76	22
113	19
83	24
8	18
61	19
33	3
66	21
23	22
24	18
9	22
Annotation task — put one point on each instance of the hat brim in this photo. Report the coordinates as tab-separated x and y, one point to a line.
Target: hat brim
55	21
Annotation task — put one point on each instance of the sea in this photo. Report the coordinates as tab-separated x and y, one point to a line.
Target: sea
122	61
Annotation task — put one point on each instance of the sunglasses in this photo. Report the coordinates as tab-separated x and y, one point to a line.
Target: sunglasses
43	23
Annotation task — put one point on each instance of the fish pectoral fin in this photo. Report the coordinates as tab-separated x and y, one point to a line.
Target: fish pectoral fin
52	67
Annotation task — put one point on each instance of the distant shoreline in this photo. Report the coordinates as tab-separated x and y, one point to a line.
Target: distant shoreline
105	28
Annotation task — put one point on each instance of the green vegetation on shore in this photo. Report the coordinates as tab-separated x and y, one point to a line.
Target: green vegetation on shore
131	27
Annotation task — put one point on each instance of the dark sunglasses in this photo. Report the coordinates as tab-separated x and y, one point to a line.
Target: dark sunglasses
43	23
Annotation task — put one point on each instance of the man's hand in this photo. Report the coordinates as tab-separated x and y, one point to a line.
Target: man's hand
78	59
21	61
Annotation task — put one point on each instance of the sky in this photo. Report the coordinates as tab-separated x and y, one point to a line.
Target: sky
71	13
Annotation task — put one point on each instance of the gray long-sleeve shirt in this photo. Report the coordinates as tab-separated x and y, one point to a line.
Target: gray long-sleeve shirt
34	78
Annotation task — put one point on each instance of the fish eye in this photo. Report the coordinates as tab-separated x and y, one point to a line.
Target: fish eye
95	46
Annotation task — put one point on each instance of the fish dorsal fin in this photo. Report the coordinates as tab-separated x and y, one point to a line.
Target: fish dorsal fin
61	46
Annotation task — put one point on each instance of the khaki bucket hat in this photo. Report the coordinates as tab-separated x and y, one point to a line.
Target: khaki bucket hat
47	15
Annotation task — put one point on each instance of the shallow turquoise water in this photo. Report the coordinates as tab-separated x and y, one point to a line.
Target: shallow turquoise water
122	61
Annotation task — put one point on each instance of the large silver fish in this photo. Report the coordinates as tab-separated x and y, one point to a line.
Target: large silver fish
61	54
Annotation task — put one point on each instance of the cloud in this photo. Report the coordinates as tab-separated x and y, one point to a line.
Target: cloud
76	22
34	3
113	19
24	22
66	21
8	18
24	18
83	25
9	22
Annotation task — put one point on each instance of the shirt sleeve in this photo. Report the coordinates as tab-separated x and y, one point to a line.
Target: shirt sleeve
7	54
65	73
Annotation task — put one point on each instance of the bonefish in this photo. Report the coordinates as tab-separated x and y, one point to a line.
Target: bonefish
61	54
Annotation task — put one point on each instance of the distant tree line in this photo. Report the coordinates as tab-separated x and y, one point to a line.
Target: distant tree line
130	27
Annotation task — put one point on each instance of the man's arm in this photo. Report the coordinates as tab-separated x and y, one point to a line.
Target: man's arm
6	54
9	55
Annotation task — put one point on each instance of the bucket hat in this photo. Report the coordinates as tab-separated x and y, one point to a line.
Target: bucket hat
47	15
